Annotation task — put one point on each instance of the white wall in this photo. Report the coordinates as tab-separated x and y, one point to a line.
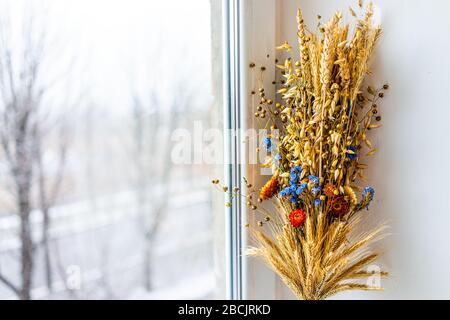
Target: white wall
258	39
411	173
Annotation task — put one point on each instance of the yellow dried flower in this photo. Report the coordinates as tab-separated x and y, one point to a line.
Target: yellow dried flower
351	194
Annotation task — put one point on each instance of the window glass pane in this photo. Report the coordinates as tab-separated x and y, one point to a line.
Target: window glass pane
104	192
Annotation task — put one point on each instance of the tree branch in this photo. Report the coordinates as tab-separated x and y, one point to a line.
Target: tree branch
10	285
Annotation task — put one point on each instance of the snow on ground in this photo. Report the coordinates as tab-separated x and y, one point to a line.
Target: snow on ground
105	244
193	288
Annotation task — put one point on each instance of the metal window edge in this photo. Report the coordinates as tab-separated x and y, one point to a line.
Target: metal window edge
233	126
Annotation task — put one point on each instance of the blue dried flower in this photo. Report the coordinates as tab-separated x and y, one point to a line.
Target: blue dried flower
294	190
352	156
367	196
268	143
314	179
301	188
349	108
297	169
293	176
294	198
317	202
285	192
315	190
277	157
368	193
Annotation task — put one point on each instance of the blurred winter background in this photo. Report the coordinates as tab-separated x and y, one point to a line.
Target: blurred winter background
91	206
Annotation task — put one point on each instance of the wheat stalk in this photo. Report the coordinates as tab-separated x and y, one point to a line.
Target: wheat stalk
306	263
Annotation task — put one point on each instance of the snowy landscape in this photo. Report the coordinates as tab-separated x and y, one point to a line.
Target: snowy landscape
106	248
91	204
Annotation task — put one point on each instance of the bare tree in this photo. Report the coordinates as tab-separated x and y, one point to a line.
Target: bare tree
21	98
153	124
24	86
48	188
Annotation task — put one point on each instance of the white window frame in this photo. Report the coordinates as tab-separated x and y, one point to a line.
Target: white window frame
249	35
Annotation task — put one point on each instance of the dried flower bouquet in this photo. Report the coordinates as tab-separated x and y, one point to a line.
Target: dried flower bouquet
323	119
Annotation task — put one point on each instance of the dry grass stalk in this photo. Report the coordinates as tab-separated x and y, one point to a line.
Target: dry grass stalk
318	261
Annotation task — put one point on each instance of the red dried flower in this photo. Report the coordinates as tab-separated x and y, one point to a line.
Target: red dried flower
339	207
269	189
297	218
330	190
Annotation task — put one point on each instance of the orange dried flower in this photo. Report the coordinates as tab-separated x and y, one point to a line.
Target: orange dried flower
297	218
339	207
269	189
330	190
